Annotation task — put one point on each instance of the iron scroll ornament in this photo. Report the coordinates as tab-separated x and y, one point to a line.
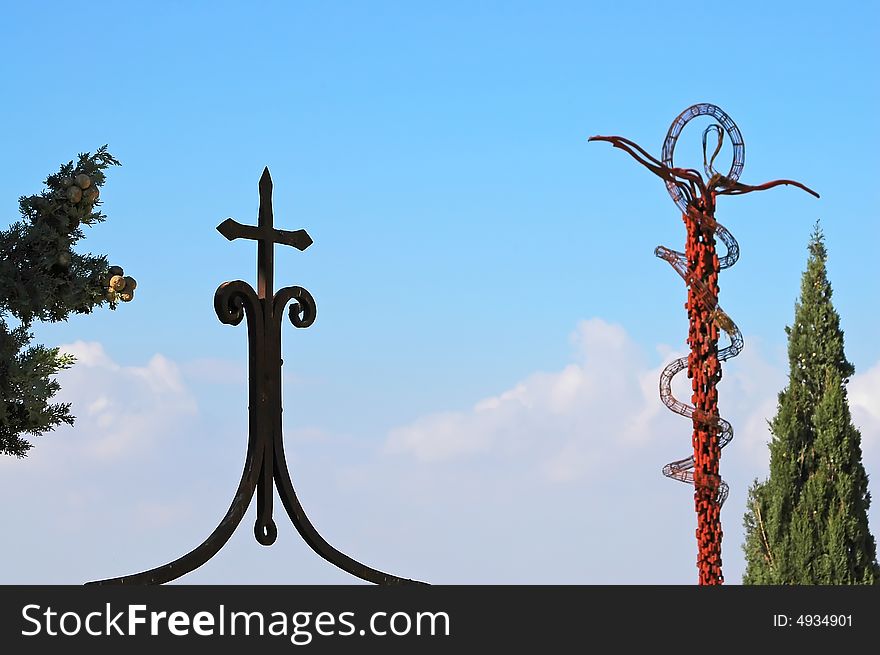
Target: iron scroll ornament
265	467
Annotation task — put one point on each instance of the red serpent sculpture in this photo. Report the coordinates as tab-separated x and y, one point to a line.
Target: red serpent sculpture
698	266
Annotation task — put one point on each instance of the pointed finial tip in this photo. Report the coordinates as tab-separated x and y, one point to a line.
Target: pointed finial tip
265	178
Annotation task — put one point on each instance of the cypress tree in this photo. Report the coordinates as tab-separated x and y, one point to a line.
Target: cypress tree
43	279
808	522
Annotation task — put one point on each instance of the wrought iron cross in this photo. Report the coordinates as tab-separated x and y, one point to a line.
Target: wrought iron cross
266	236
265	465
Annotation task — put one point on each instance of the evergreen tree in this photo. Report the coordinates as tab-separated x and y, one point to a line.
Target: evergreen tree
808	522
42	278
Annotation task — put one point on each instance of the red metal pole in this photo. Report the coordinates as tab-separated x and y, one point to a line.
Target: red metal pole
704	371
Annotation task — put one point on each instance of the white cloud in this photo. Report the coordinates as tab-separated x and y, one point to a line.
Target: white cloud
119	473
750	391
120	411
864	401
538	483
593	412
89	353
589	441
216	370
565	421
748	397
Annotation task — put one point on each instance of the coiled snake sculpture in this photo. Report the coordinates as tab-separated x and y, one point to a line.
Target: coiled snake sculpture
698	266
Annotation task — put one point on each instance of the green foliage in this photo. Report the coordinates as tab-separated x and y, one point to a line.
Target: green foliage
808	522
42	278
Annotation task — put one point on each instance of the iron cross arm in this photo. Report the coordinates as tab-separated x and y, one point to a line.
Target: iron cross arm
266	236
232	229
265	231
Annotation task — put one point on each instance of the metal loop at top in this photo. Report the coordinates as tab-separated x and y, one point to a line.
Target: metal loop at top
703	109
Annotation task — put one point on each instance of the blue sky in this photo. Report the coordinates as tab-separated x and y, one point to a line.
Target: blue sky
476	401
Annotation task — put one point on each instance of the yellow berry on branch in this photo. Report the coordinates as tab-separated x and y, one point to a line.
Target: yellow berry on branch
117	283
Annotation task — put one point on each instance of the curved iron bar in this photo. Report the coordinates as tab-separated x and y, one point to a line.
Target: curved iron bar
231	301
302	314
687	181
215	541
311	535
737	188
